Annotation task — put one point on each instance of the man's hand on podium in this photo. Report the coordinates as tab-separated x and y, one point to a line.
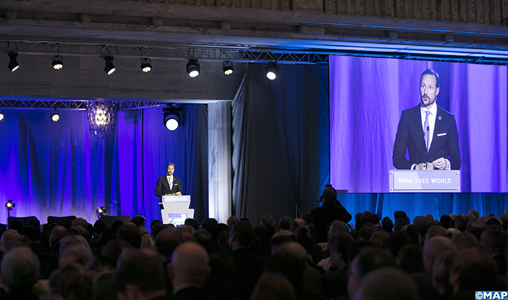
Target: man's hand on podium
178	194
439	163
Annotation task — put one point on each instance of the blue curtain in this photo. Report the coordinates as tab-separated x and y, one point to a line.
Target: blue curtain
59	168
280	140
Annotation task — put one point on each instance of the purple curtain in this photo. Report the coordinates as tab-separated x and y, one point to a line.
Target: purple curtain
59	169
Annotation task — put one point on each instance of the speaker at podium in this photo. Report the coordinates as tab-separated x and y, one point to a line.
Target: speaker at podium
175	209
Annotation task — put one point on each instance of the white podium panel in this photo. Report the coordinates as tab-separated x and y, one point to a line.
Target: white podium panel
175	209
425	181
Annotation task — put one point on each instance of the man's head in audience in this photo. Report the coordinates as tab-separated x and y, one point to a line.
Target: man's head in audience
273	286
297	223
139	276
464	241
285	223
387	284
366	261
57	233
493	240
241	235
166	242
10	239
433	248
473	270
71	282
189	266
266	220
338	245
20	270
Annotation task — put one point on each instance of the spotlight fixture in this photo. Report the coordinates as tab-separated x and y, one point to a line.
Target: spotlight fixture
109	68
192	67
227	67
10	204
146	65
1	115
13	63
57	62
173	116
101	210
55	116
272	71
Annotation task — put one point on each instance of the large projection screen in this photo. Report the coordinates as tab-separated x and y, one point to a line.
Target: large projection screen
368	95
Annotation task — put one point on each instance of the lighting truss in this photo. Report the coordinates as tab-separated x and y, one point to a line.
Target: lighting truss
72	104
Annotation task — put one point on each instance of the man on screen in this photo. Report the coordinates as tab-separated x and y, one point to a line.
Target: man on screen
169	185
427	132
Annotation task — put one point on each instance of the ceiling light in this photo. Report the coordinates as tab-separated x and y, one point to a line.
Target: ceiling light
146	65
1	115
227	67
272	70
57	62
109	68
173	116
13	63
192	67
55	116
101	210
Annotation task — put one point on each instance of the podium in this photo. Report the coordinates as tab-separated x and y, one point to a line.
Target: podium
175	209
425	181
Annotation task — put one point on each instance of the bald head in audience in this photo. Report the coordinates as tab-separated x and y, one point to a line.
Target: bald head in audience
432	248
387	284
473	270
464	240
189	265
273	286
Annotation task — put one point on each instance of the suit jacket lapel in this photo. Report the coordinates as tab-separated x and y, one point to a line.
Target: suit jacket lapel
438	127
419	129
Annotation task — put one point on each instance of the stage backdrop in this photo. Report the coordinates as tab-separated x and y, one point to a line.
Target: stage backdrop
58	169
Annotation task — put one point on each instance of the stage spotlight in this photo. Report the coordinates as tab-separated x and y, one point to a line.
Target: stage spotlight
227	67
1	115
10	204
57	62
173	117
146	65
13	63
109	68
192	67
55	116
101	210
272	70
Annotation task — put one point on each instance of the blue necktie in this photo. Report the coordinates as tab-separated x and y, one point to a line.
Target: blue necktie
426	130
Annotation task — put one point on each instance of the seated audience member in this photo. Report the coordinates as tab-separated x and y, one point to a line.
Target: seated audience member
473	271
19	273
166	242
57	234
387	224
436	230
431	250
267	220
291	261
330	211
441	274
249	265
410	259
222	283
114	249
285	223
155	227
461	222
445	221
188	271
297	223
368	260
395	241
493	243
232	221
11	239
386	284
71	282
335	281
463	241
139	276
378	238
101	270
129	233
139	221
273	286
147	241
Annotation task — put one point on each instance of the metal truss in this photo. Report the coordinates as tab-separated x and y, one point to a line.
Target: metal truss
159	52
71	104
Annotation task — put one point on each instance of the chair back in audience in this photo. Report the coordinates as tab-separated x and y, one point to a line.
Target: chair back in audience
22	220
59	220
109	220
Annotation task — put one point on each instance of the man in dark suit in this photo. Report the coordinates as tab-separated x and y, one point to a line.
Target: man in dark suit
169	185
427	132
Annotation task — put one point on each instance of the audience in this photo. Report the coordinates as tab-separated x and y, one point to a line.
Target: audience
423	259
